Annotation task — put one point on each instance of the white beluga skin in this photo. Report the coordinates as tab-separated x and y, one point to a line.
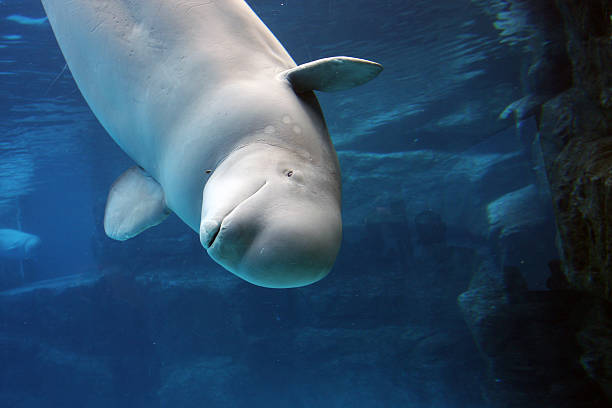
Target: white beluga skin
225	129
18	245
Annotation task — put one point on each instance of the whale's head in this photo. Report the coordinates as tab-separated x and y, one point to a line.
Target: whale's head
272	216
31	247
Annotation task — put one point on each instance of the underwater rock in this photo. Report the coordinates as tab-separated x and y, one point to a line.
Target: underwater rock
430	228
557	280
524	107
522	231
576	145
470	180
528	340
537	28
595	339
515	211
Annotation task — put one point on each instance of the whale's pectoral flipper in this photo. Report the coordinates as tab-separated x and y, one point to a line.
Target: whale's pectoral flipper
135	202
331	74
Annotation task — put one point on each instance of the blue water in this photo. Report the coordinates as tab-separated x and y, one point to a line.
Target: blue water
434	185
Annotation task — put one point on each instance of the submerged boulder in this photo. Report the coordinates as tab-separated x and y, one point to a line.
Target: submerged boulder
516	211
577	149
430	228
521	229
528	341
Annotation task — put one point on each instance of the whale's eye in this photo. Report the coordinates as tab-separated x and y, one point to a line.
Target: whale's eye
295	175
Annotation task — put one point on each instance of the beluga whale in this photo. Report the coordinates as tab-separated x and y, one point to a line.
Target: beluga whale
19	245
223	126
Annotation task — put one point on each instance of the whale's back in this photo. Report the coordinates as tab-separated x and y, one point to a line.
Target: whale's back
142	64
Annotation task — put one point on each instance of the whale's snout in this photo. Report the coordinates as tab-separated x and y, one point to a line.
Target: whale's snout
209	229
273	245
272	218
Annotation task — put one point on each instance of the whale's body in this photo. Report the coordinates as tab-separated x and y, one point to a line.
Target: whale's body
18	245
200	91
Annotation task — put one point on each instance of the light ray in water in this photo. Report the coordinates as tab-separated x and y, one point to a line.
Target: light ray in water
26	20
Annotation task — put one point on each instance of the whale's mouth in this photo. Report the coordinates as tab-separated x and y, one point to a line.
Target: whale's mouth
216	230
214	236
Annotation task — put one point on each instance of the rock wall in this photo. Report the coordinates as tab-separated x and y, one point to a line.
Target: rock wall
552	348
529	342
576	143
